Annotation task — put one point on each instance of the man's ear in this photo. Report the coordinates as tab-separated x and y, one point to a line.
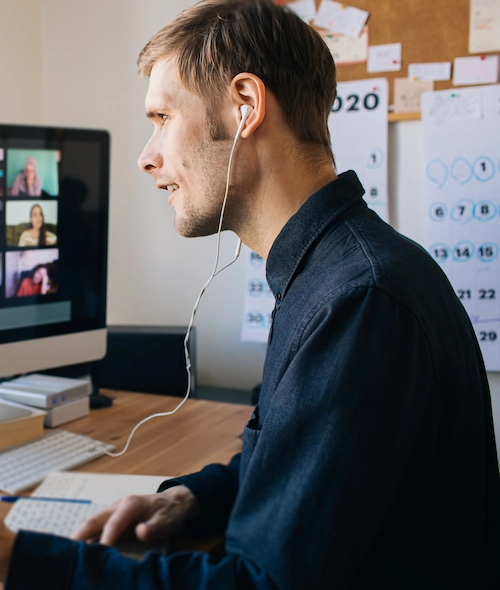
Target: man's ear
249	89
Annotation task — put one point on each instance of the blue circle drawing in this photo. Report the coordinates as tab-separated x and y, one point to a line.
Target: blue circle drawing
255	319
256	288
463	211
484	168
438	211
461	170
375	159
463	251
487	252
256	260
484	210
437	172
440	252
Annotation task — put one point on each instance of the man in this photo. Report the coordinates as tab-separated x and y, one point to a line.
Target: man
370	460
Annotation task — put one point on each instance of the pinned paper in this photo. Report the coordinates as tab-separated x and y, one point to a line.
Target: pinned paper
346	50
306	9
475	70
407	94
484	31
430	71
384	58
453	106
340	18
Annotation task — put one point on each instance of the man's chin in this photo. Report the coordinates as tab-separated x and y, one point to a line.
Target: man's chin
193	229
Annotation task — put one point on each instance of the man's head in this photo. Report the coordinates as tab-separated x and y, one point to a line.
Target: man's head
215	40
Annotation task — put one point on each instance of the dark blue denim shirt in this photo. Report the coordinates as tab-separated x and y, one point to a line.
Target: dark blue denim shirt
370	461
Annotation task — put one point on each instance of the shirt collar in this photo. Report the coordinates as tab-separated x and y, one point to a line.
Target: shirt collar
302	229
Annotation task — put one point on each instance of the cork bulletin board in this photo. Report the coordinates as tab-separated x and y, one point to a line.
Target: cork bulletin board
428	30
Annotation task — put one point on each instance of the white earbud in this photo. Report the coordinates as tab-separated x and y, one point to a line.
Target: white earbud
245	111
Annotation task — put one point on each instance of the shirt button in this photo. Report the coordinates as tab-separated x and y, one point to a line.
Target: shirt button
278	296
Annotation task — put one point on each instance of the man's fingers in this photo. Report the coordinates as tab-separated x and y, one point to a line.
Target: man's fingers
128	513
91	529
159	527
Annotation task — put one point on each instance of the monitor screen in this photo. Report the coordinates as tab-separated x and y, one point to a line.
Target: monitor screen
53	246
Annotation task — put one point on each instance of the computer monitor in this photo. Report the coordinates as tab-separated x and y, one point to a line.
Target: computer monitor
54	189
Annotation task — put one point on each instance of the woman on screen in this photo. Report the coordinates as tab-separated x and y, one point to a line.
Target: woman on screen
27	182
37	235
37	284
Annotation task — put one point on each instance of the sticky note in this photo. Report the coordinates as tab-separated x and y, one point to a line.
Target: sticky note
430	71
384	58
475	70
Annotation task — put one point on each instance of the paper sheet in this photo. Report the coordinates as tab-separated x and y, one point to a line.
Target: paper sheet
384	58
346	50
306	9
340	18
475	70
484	28
103	488
462	170
430	71
359	134
259	300
407	94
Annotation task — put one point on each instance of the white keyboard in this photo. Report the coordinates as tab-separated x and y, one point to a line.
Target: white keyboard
23	467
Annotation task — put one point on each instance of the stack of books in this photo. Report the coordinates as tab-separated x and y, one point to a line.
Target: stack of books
62	400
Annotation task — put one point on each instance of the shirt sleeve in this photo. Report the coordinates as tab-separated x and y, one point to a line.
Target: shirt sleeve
215	488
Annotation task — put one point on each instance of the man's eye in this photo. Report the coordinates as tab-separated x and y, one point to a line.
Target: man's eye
164	118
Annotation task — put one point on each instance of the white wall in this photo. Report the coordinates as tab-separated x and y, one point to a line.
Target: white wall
88	78
21	72
90	53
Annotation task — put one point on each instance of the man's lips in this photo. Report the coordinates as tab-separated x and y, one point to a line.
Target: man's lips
170	188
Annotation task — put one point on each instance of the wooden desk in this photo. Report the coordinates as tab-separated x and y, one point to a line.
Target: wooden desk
201	432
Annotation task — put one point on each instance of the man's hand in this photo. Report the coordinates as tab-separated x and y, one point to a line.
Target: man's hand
7	538
152	518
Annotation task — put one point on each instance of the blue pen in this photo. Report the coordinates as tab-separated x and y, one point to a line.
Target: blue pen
16	498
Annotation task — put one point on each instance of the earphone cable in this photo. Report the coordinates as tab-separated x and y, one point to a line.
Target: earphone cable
215	272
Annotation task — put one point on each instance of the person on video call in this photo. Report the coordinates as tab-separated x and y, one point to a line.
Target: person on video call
37	234
37	284
370	459
27	182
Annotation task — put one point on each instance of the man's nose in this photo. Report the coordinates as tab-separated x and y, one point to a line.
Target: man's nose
150	159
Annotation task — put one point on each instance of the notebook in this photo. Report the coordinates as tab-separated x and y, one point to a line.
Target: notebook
63	518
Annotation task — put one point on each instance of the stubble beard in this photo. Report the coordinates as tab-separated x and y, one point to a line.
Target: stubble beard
203	217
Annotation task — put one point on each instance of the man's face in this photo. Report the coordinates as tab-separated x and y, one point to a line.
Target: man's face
181	155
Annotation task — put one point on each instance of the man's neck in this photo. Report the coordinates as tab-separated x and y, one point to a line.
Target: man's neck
280	195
